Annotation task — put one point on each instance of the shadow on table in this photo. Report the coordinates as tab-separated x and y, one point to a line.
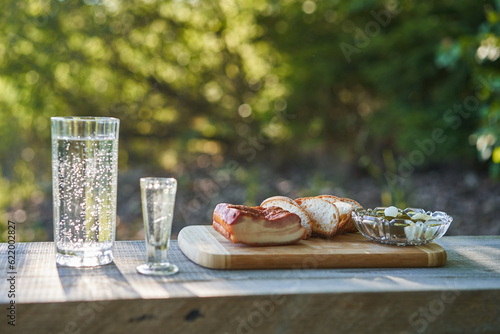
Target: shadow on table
104	282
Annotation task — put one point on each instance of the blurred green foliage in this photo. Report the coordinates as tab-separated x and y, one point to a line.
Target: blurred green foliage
481	52
226	78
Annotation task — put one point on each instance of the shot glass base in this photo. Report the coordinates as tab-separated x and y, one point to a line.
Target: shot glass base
158	270
83	259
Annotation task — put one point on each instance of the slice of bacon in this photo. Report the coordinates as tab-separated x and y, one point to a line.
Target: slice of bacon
257	226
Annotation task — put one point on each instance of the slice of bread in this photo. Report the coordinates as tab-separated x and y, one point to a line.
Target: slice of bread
346	214
325	215
347	226
290	205
350	227
345	210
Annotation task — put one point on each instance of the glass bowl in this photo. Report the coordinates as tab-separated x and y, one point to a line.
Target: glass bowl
411	226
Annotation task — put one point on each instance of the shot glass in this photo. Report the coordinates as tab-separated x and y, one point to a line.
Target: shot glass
84	180
158	199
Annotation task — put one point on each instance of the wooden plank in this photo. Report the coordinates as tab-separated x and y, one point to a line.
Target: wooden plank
204	246
473	263
463	296
446	311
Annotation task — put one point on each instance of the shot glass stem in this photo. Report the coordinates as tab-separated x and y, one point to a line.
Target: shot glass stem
158	199
156	255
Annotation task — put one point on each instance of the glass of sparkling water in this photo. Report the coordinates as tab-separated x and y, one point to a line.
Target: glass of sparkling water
84	179
158	199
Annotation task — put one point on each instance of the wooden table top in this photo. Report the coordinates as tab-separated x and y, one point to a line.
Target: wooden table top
468	285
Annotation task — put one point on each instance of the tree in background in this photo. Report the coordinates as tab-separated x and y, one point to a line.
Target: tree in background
198	83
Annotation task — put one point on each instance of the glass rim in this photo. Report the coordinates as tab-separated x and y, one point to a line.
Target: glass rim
158	180
88	119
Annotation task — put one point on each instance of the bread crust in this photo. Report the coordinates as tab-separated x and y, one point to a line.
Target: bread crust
330	198
354	204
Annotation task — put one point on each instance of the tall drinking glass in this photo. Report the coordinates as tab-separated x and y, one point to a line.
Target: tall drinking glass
84	179
158	199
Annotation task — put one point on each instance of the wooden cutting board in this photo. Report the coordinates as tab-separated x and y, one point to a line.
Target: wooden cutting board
206	247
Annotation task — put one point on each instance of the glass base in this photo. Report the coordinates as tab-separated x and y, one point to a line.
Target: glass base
84	259
159	270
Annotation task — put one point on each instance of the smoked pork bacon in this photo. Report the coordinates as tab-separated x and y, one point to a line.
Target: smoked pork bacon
257	226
